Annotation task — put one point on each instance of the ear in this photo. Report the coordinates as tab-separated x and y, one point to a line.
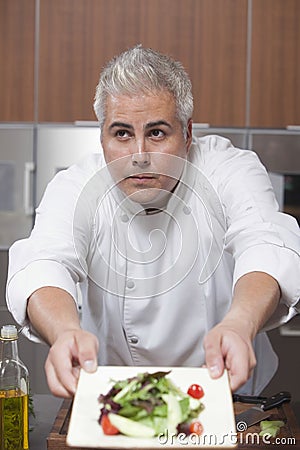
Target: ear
189	134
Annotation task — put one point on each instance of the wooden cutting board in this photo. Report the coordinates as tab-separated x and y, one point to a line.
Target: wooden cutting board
289	437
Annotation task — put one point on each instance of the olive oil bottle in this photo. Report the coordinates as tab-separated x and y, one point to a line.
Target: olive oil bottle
14	391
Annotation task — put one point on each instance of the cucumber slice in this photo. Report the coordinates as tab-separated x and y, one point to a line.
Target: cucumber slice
271	423
130	427
174	412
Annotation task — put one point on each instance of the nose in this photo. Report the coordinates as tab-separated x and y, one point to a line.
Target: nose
141	159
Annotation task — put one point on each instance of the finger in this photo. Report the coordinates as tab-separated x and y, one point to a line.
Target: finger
87	351
76	371
55	385
59	364
240	362
213	354
238	371
252	359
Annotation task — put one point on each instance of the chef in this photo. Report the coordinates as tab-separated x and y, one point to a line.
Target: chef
162	249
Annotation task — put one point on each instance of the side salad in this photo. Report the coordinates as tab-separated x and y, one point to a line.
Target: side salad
150	404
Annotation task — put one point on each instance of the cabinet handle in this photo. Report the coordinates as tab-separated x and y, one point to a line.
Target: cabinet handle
29	169
293	127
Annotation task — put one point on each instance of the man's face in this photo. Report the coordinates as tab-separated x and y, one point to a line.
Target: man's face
144	145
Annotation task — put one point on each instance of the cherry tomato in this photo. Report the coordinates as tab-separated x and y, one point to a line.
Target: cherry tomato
195	391
196	428
107	427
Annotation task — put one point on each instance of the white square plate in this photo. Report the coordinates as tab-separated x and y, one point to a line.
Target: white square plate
217	417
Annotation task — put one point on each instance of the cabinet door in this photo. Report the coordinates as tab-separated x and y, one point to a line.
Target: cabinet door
17	20
217	60
275	74
209	37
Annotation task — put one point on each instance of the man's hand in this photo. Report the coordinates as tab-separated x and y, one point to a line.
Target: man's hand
72	350
229	344
226	348
53	314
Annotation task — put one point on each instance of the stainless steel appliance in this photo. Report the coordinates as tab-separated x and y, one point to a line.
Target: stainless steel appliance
16	182
279	150
242	138
29	158
59	146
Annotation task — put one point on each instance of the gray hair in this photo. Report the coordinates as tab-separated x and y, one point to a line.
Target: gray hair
143	70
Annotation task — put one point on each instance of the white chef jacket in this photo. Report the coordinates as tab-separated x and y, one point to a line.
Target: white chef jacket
152	285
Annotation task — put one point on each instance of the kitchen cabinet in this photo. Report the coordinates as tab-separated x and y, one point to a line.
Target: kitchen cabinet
209	37
275	64
242	56
17	34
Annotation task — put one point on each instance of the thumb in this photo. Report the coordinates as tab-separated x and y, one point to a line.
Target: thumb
87	345
213	354
89	365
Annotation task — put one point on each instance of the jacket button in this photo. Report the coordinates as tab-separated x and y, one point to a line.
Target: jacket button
124	218
130	284
187	210
133	340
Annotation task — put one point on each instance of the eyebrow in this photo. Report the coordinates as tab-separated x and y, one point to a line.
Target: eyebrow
156	123
121	125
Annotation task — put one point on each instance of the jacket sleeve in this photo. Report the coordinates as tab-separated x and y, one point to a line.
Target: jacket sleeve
259	237
50	255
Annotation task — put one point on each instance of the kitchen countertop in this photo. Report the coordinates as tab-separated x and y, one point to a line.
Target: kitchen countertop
289	437
52	415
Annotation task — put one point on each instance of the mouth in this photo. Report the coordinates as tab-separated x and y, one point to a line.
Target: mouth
145	180
143	176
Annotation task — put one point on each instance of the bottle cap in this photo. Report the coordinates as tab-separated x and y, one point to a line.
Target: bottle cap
9	332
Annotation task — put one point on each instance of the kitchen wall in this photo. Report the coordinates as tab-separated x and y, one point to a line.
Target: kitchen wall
242	56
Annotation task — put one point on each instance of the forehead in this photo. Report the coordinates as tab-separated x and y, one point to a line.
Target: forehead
142	106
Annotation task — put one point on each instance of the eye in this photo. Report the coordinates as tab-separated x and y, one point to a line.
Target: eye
157	134
122	134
